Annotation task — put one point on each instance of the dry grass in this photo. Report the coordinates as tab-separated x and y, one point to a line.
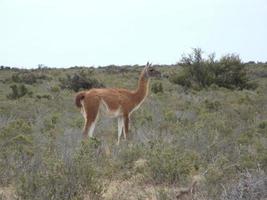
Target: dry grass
173	136
8	193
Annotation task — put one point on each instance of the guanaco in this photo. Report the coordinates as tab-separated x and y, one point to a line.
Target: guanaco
114	102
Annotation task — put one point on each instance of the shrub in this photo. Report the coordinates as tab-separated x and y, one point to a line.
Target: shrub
198	73
182	78
230	72
53	178
16	142
79	81
55	89
212	105
263	125
43	96
171	164
27	77
157	88
18	91
249	186
128	156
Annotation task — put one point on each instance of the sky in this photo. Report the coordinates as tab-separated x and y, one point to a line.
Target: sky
65	33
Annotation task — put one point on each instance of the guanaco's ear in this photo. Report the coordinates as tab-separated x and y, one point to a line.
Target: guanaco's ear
148	64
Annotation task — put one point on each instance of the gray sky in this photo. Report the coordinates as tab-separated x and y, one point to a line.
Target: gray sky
62	33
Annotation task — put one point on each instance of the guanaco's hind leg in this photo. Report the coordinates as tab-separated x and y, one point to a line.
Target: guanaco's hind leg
120	128
90	106
126	126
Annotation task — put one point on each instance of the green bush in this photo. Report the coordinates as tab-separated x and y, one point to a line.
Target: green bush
55	89
43	96
171	164
198	73
128	156
263	125
16	143
212	105
230	72
27	77
79	81
181	78
157	88
18	91
53	178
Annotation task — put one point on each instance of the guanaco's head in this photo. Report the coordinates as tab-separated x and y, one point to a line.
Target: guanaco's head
151	71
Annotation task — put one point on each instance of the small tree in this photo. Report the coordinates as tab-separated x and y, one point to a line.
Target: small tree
18	91
157	88
198	72
79	81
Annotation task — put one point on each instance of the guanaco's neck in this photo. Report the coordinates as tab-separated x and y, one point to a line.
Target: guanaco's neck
143	86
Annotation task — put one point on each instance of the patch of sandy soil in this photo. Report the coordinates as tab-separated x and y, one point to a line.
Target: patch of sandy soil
131	189
7	193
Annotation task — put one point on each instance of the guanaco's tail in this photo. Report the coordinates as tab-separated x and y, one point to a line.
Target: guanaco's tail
78	98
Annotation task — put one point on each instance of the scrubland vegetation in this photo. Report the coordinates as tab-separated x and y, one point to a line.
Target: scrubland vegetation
205	118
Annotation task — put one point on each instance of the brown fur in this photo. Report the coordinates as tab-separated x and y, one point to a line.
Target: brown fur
119	103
